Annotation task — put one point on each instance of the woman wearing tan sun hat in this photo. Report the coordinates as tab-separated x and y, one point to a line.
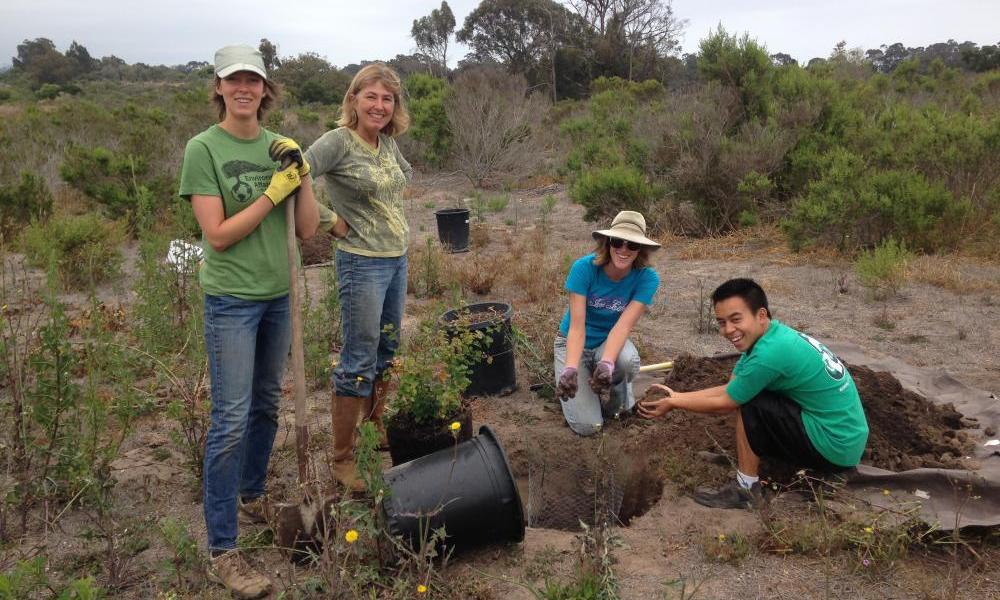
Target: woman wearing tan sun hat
609	290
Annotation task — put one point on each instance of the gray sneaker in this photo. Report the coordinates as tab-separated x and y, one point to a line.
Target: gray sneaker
731	495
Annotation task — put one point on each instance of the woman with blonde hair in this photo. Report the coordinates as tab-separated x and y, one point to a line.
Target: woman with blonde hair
609	289
365	174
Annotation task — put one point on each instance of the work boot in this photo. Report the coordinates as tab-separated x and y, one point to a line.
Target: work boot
374	409
345	411
233	571
731	495
254	511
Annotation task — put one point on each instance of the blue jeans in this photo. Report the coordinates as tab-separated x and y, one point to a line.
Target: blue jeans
372	294
247	343
585	412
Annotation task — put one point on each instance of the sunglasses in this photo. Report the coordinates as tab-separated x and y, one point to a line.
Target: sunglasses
618	243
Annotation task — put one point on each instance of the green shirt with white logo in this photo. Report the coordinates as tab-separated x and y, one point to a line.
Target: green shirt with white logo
797	366
365	187
216	163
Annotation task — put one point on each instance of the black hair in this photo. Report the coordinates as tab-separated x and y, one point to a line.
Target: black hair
747	289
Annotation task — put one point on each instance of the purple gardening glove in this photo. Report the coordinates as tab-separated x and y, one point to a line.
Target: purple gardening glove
566	387
600	381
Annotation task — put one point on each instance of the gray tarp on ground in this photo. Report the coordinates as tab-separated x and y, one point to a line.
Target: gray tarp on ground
947	497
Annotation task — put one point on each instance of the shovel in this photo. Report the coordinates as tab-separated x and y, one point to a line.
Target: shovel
298	357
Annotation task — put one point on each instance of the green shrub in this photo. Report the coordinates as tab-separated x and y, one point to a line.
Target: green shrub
29	200
428	119
605	191
84	249
851	206
883	270
48	91
104	175
5	94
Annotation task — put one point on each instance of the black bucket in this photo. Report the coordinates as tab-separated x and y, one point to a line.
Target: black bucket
475	500
493	374
453	228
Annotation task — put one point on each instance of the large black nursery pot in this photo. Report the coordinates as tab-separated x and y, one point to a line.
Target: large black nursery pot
453	228
468	489
493	373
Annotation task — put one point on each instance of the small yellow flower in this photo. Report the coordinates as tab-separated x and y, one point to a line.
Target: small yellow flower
351	536
360	379
885	492
455	426
421	589
869	530
722	537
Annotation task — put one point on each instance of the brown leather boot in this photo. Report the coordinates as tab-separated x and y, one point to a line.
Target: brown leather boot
374	409
345	411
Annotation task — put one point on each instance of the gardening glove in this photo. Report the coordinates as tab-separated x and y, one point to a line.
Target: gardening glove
566	388
286	149
600	381
284	182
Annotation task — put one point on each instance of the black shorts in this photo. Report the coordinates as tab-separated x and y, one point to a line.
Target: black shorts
773	424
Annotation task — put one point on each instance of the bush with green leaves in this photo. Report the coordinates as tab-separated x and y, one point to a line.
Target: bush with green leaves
883	269
608	190
30	200
852	206
428	120
85	249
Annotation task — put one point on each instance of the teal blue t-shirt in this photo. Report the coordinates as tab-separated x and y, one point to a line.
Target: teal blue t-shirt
606	299
797	366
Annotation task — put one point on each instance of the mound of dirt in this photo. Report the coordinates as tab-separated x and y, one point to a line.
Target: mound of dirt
317	249
907	431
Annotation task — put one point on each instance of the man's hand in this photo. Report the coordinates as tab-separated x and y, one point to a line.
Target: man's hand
567	386
284	182
652	409
286	149
600	380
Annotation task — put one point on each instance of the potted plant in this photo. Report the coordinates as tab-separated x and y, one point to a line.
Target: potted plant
430	378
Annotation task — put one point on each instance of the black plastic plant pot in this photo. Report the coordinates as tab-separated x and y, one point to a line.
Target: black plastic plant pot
409	440
493	374
468	489
453	228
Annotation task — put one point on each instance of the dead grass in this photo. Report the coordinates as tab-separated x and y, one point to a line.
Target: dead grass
955	274
763	242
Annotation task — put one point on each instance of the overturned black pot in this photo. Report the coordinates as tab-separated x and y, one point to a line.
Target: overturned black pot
493	374
468	489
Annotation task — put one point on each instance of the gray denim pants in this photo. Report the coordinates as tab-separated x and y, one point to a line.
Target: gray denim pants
584	412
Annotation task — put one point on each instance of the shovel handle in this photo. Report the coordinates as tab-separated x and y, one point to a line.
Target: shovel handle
298	357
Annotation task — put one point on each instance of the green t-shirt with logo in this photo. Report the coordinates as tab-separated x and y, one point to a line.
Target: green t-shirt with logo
797	366
365	187
216	163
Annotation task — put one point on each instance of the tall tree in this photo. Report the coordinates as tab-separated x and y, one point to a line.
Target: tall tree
269	52
431	33
42	63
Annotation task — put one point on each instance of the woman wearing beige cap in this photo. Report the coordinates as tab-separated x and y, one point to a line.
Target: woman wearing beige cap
234	177
609	289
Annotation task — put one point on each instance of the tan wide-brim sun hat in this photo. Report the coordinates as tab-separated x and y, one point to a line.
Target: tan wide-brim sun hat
629	226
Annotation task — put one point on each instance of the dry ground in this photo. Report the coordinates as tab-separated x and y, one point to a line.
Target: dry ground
946	317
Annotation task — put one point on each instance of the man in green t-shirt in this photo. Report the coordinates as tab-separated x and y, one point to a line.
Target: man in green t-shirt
793	398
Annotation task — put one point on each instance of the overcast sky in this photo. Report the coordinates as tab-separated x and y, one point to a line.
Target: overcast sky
348	32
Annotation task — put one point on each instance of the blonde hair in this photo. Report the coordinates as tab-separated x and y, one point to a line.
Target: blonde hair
369	74
272	93
602	254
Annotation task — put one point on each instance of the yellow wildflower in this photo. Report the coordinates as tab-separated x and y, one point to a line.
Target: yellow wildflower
455	426
351	536
869	530
722	537
885	492
421	589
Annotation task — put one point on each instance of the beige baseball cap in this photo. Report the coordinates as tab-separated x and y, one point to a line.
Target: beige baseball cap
239	57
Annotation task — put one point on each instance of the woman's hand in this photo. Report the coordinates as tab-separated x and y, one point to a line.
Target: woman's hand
600	380
567	386
652	409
